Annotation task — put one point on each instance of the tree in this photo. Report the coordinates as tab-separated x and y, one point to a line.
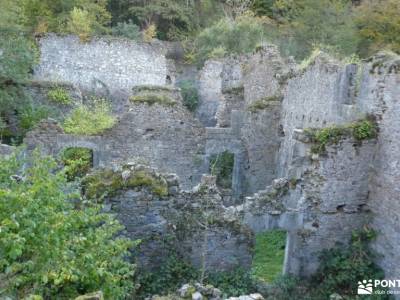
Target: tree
168	16
42	16
236	8
310	22
379	25
51	244
238	36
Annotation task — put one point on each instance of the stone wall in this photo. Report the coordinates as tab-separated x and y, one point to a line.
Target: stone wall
190	223
314	99
165	137
314	205
260	105
106	65
382	85
209	92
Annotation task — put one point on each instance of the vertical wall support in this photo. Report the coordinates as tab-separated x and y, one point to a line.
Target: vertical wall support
237	176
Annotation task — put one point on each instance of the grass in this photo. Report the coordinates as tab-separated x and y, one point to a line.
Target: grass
269	255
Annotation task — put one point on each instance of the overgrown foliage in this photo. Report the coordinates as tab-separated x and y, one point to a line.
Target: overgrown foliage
234	283
221	166
77	161
342	267
190	94
127	30
379	25
102	183
59	95
82	17
229	37
49	248
170	276
90	119
360	130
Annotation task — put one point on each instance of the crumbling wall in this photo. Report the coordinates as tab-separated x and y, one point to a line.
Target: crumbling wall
190	223
381	94
165	137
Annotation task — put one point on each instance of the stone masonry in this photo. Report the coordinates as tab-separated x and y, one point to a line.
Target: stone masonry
258	107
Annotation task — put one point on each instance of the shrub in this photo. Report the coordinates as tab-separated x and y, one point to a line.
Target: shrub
234	283
342	267
128	30
77	161
90	120
363	130
48	247
190	94
170	276
30	115
60	96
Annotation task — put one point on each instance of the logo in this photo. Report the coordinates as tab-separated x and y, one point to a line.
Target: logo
365	287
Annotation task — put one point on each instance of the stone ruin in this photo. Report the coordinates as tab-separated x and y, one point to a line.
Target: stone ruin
257	107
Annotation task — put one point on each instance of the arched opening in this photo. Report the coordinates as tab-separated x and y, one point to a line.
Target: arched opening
77	160
269	255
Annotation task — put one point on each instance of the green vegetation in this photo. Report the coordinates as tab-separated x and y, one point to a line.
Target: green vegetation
82	17
264	103
378	26
234	283
190	94
59	95
151	99
229	37
77	162
106	182
170	276
51	249
221	166
364	130
269	255
360	130
127	30
90	119
341	267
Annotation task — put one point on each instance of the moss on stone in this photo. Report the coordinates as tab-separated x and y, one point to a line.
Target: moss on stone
153	88
151	99
106	182
264	103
